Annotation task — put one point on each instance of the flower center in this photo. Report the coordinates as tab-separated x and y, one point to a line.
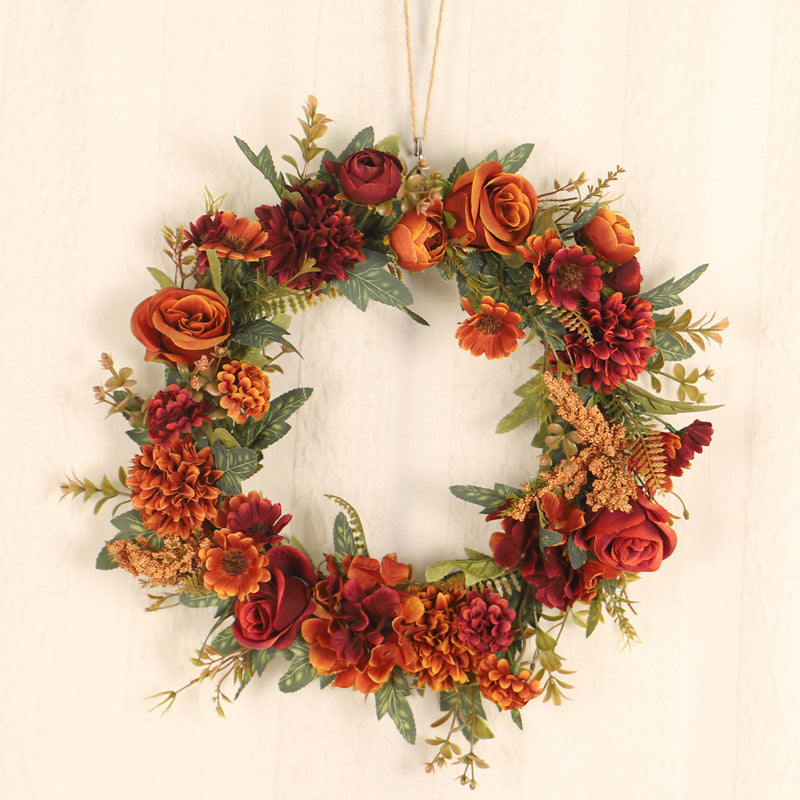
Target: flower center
489	325
569	276
235	243
260	528
234	562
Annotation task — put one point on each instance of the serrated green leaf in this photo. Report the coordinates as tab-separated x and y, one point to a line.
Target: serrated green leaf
577	555
262	162
489	499
283	406
458	170
259	332
466	701
549	538
528	408
344	542
260	658
392	701
129	526
163	280
237	464
389	144
667	294
672	348
490	157
301	672
224	642
363	139
515	159
475	570
370	280
582	221
191	600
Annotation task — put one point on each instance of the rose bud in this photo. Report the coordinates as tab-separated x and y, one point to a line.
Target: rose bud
367	177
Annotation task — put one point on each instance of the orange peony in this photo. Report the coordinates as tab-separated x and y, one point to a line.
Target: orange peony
492	331
493	210
172	487
181	325
420	240
611	237
233	566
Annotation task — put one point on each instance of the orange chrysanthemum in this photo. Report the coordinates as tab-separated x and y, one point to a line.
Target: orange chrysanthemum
443	658
236	238
234	567
245	390
500	685
172	487
492	331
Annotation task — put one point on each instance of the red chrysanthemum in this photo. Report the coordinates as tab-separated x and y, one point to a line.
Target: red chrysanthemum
484	621
172	413
205	227
314	228
492	331
573	277
256	517
619	348
172	487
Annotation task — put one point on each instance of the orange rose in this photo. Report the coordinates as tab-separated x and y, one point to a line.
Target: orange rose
181	325
611	237
419	239
494	210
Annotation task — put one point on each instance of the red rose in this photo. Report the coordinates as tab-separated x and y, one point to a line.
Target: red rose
634	541
494	210
625	278
368	177
271	617
181	325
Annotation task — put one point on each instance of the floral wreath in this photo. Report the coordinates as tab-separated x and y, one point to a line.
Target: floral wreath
557	269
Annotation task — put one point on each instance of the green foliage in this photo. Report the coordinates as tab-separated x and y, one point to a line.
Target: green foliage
389	144
489	499
260	658
224	642
261	332
362	140
370	280
668	294
392	699
672	348
130	526
344	543
163	280
262	162
195	600
355	527
237	464
301	671
515	159
477	568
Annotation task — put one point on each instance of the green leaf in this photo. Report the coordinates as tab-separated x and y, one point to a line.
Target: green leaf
237	464
549	538
667	294
282	407
458	170
164	280
191	600
660	405
490	499
515	159
363	139
216	273
260	658
140	436
582	221
466	701
475	570
262	162
391	699
672	348
389	144
416	317
260	332
370	280
224	642
301	671
577	555
595	609
528	408
517	717
490	157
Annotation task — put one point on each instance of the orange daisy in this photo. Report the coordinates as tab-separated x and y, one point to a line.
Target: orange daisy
492	331
237	238
233	566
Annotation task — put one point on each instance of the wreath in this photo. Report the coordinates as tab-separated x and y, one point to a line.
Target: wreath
557	270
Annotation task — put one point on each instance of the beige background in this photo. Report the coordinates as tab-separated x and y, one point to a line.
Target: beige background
113	116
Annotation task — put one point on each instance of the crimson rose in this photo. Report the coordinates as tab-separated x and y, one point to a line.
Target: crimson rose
271	617
368	177
634	541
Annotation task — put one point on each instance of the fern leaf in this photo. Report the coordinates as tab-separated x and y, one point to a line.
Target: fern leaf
354	520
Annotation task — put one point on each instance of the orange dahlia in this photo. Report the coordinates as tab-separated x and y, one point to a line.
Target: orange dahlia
172	487
245	390
492	331
236	238
233	566
443	658
500	685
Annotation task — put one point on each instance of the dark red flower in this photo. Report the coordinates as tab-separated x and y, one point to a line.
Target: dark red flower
573	277
625	278
368	177
256	516
314	228
172	412
271	617
693	438
199	232
484	621
619	348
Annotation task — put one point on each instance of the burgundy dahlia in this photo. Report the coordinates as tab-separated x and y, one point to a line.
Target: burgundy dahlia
620	345
172	413
484	621
572	277
200	231
315	227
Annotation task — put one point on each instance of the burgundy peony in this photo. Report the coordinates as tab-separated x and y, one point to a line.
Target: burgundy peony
368	177
625	278
314	227
634	541
271	617
172	412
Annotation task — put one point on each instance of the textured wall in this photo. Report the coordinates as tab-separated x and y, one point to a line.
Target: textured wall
113	117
